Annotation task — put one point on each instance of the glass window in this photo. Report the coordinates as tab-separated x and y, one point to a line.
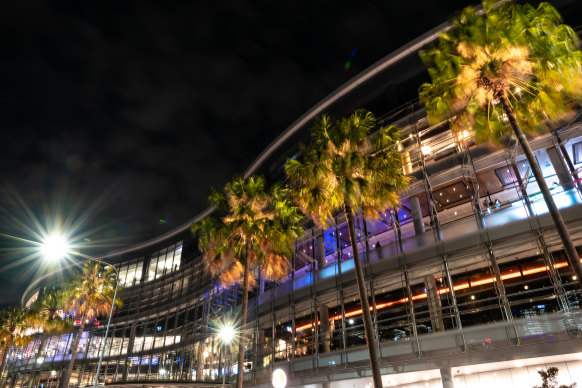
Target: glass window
130	274
165	261
122	275
577	151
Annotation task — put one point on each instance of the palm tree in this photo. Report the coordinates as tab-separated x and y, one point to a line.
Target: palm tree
510	64
257	228
48	318
343	167
89	296
13	325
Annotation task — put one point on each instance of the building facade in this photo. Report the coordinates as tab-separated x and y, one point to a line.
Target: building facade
467	279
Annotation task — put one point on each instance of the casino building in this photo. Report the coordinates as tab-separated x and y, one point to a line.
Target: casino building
473	293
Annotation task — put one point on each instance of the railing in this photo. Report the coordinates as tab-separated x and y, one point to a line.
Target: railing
534	300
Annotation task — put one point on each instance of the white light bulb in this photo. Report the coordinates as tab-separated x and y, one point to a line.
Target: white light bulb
54	247
227	333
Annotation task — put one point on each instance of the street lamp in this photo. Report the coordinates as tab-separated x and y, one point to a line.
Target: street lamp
226	336
55	247
226	333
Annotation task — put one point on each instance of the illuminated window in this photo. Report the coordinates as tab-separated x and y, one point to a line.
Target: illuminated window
165	261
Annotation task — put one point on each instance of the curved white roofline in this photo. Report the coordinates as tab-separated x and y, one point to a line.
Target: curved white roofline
364	76
317	109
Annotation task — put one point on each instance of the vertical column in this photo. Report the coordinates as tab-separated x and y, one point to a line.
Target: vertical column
211	358
447	378
434	304
560	168
86	354
261	281
129	350
320	250
273	339
568	161
15	377
404	266
203	342
200	360
64	354
339	267
191	366
260	347
324	333
416	215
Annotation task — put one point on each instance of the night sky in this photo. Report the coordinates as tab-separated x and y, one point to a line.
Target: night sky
116	120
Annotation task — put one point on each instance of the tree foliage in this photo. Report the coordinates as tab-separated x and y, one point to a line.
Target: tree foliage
90	295
13	331
550	379
510	50
47	313
344	166
13	326
253	228
345	163
253	225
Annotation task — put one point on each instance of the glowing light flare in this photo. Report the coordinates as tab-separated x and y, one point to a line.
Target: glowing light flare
481	282
279	378
462	134
54	247
510	276
226	333
348	63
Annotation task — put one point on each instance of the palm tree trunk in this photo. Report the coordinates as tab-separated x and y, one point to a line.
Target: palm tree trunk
64	383
4	358
243	338
367	318
569	163
561	228
38	353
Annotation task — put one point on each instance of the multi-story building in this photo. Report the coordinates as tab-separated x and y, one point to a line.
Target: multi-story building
467	279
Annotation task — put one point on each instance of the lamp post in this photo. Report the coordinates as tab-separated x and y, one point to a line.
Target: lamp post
226	335
55	248
110	310
108	321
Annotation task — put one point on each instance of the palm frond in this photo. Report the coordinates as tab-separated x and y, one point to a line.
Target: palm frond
352	166
252	220
513	50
